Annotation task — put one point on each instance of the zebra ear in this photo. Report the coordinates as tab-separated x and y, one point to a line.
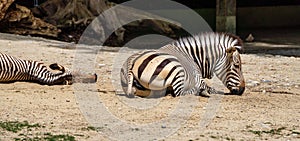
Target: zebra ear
55	66
230	50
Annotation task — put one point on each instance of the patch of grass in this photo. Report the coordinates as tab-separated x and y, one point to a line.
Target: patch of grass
15	126
66	137
48	137
256	132
272	131
91	128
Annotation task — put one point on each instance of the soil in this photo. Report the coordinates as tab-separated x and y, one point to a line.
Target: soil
269	109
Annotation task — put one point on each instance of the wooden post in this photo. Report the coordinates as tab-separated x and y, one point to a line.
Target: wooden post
226	16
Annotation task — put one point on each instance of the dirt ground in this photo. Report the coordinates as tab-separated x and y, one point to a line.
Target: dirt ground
268	110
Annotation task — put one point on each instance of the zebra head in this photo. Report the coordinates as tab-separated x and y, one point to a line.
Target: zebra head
234	79
68	77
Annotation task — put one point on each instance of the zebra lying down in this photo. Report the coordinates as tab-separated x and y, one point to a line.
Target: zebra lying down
13	69
157	73
182	66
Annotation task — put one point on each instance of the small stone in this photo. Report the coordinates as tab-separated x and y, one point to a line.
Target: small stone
101	65
296	132
250	38
265	81
264	91
163	126
252	83
218	116
67	100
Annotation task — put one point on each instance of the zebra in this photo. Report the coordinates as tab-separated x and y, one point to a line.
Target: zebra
13	69
149	72
215	53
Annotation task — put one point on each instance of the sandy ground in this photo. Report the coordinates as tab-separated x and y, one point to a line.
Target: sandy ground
268	110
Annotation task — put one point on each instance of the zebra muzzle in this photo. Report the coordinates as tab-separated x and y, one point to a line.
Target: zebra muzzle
238	91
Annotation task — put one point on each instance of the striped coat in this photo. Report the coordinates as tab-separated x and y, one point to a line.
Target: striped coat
151	71
14	69
215	53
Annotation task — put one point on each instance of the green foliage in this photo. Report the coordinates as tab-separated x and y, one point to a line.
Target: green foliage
48	137
272	131
15	126
92	128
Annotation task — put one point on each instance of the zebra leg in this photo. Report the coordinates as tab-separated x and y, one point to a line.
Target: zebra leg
205	90
129	84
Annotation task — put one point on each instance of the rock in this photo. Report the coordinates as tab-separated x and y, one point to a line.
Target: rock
265	81
250	38
252	83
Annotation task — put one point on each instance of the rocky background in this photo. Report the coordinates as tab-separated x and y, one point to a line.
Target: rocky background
66	20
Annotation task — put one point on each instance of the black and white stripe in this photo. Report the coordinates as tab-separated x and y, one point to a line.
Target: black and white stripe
151	70
14	69
215	53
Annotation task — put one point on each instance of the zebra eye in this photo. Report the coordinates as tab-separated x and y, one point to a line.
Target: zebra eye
236	65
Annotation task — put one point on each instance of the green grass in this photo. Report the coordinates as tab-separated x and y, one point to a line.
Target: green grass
91	128
272	131
47	137
15	126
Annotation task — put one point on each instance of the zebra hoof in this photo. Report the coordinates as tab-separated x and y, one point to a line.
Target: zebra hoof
204	93
67	82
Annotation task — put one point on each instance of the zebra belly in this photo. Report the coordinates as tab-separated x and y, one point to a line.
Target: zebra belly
6	76
158	81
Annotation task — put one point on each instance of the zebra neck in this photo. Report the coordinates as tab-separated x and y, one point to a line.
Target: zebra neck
38	72
221	69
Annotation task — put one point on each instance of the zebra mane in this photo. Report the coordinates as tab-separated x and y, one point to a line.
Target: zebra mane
239	43
235	40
